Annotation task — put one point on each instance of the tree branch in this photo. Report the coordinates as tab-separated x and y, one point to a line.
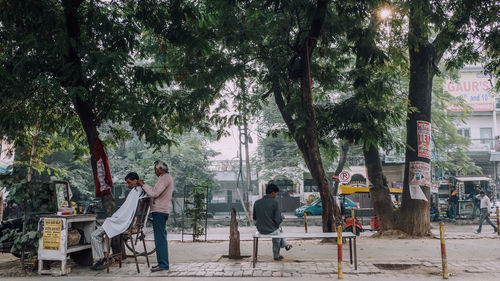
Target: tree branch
278	97
447	35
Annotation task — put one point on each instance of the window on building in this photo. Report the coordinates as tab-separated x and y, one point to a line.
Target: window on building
464	132
486	135
219	196
358	180
285	185
310	185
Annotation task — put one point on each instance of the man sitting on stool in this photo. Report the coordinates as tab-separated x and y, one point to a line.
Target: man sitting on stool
267	217
118	222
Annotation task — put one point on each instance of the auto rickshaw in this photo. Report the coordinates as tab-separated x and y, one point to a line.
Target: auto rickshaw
374	224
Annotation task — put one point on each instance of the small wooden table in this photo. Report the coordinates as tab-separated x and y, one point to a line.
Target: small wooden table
54	242
322	235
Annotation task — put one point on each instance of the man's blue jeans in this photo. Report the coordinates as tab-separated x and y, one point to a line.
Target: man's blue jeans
160	234
485	216
476	207
278	243
453	210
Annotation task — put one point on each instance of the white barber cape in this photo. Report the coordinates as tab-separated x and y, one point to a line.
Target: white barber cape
121	219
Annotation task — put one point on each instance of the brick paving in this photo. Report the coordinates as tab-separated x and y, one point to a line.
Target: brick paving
288	269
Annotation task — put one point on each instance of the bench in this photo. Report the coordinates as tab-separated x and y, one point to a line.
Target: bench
322	235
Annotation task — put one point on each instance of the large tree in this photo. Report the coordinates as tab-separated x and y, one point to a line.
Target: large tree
90	60
373	105
377	105
435	28
276	41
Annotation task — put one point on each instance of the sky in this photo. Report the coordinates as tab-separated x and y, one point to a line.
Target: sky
228	146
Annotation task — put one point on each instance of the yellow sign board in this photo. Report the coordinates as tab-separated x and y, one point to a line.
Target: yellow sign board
347	189
52	229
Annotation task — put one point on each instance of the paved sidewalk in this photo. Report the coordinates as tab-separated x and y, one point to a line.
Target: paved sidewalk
419	269
470	257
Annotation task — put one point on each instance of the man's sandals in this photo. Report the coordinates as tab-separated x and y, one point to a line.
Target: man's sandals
99	265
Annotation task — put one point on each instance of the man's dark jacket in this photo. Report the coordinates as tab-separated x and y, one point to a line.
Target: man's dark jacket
266	214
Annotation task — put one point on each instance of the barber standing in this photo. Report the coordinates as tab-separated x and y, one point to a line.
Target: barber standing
161	202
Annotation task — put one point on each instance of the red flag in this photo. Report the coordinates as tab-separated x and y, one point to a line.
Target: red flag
102	177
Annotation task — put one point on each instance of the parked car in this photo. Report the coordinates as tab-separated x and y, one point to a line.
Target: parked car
315	209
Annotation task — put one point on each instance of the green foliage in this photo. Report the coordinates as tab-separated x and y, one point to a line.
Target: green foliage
449	147
474	40
101	65
373	111
28	241
37	198
195	210
75	170
188	160
276	148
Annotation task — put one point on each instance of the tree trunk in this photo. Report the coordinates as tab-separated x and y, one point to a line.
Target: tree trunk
29	191
308	141
306	135
330	211
415	213
343	158
89	126
234	237
379	192
74	79
1	205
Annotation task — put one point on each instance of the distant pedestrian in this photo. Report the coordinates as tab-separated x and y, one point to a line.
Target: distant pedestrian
267	217
485	212
453	200
475	200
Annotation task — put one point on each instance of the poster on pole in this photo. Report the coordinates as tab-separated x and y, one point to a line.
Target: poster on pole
424	139
51	239
416	193
420	173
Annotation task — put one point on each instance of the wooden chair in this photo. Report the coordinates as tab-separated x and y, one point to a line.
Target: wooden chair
133	234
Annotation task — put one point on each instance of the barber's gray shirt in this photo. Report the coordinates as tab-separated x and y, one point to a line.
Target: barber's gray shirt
266	214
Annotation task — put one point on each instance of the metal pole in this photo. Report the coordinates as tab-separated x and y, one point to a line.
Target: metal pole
339	251
498	222
206	214
305	221
183	214
248	171
240	174
353	222
443	250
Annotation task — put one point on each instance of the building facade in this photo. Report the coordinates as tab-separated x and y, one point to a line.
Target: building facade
482	127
